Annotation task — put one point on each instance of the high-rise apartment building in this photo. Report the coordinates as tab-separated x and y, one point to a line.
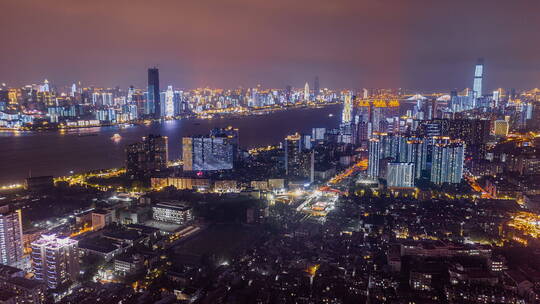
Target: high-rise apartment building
293	154
400	175
447	161
55	261
217	151
147	156
318	133
11	243
415	151
299	157
374	150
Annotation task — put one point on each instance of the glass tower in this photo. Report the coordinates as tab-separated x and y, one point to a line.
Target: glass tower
153	91
478	75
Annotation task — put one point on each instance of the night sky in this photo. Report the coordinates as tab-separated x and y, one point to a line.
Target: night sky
419	44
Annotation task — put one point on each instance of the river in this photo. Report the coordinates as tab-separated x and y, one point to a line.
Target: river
57	154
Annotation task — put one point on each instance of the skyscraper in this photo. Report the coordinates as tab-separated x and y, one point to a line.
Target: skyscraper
447	162
347	114
131	91
376	117
374	151
293	158
306	92
299	157
168	102
55	261
147	156
11	244
478	77
153	91
415	151
73	90
288	93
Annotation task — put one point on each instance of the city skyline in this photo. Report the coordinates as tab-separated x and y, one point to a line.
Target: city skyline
270	152
379	44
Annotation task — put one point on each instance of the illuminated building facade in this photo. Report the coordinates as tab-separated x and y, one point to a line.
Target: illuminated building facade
501	128
147	156
101	219
218	151
318	133
293	154
11	242
168	102
180	183
376	118
415	151
172	213
478	78
400	175
447	162
306	92
347	115
55	261
24	291
374	150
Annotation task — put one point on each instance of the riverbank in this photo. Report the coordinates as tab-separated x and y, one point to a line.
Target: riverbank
59	153
210	114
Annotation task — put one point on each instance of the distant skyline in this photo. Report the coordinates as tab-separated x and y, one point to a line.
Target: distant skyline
348	43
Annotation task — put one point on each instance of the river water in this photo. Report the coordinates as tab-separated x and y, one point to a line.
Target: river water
54	153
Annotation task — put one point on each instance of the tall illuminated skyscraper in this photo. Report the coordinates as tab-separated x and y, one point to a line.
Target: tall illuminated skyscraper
169	102
478	77
73	90
346	116
130	93
11	244
306	92
153	91
374	150
293	149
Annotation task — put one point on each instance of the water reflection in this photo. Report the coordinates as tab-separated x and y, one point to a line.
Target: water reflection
55	153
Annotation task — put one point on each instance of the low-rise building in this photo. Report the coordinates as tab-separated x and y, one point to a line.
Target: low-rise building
101	218
169	212
128	263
